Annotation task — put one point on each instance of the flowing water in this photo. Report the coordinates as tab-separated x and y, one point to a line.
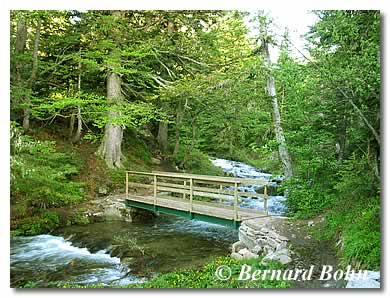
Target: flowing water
276	203
118	253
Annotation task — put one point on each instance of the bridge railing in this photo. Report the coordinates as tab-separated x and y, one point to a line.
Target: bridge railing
192	187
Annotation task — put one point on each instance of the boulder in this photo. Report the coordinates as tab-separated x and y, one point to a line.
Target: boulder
284	259
243	251
236	246
257	249
250	243
250	255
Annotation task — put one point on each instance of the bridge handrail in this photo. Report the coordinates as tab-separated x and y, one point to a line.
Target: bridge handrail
244	181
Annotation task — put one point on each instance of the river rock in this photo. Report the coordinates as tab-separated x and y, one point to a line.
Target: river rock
156	161
372	280
112	213
236	256
236	246
102	190
243	251
250	255
260	238
247	241
284	258
246	254
257	249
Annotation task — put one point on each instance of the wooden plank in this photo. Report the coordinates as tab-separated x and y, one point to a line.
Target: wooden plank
229	192
174	185
142	185
213	178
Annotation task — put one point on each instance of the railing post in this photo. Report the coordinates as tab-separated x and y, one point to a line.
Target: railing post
185	188
220	192
191	193
235	202
155	189
127	185
265	199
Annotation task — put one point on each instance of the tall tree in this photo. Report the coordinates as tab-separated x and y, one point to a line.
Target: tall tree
284	154
110	149
20	45
33	76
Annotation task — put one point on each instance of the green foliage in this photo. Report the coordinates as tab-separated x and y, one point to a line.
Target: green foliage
40	179
203	277
327	105
306	199
77	218
43	222
40	174
197	162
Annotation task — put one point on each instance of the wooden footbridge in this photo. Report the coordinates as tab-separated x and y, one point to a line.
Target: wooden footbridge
212	199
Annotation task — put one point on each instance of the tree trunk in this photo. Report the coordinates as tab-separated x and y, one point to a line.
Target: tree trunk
341	144
192	146
77	136
162	136
71	124
110	148
179	118
20	45
31	81
279	134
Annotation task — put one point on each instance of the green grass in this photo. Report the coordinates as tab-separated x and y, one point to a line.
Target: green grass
203	277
